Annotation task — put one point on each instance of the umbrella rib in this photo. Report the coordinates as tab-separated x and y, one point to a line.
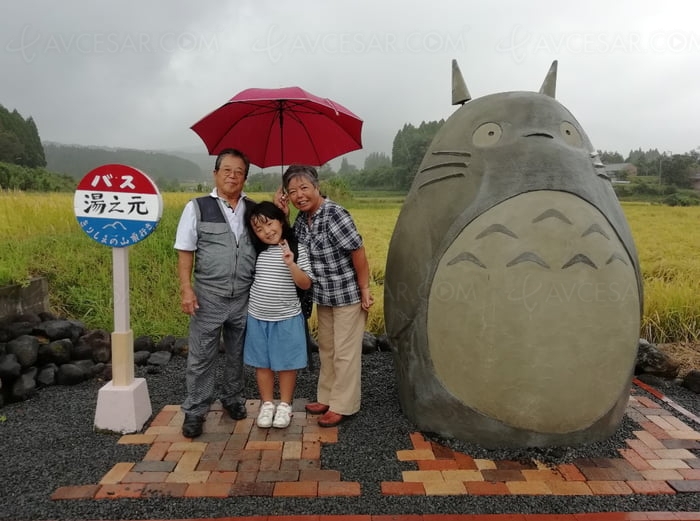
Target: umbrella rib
295	117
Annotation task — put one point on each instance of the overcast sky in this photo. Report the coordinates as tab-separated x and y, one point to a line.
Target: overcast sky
138	74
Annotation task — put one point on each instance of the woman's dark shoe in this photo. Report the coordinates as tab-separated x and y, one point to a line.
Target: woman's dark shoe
192	426
316	408
330	419
237	411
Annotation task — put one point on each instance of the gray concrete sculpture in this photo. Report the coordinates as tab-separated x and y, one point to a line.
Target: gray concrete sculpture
513	293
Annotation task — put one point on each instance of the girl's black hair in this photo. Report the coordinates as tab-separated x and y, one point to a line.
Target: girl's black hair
268	210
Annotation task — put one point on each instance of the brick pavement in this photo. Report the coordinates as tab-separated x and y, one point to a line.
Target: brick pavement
239	459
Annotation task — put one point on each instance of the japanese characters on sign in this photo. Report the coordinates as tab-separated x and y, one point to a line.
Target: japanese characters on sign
117	205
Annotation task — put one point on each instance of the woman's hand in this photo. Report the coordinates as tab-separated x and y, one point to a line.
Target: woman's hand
281	200
367	298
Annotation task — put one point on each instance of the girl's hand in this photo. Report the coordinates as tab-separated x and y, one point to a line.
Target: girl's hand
287	254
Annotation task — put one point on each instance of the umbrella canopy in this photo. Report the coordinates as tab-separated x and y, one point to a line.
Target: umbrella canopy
281	127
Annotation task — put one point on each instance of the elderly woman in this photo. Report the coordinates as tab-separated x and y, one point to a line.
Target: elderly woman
340	290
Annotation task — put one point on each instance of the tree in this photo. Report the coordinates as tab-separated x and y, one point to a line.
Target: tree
409	148
676	170
346	168
19	140
377	160
610	157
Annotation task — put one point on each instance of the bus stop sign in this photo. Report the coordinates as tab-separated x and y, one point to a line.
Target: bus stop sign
117	205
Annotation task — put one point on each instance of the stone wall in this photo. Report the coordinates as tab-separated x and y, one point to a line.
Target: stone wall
18	300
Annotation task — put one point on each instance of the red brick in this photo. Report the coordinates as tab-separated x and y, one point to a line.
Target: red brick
569	488
634	459
338	488
604	488
319	475
685	485
399	517
528	488
502	475
164	490
642	449
157	451
132	490
271	460
399	488
689	473
513	465
464	461
486	488
441	452
602	474
208	489
163	418
418	441
311	450
246	476
251	489
295	489
79	492
570	472
278	475
650	487
145	477
437	464
222	477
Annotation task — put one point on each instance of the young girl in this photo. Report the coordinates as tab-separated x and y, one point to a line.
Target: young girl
275	338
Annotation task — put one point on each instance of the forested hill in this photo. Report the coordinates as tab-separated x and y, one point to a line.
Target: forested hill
164	169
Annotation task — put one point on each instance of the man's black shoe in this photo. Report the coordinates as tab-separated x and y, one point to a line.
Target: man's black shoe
237	411
192	426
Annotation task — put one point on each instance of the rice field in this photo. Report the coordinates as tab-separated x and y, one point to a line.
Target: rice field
39	235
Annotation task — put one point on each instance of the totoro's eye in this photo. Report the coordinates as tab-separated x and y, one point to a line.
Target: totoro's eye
570	134
487	135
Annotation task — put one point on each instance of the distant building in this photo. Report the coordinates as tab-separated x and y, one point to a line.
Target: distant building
620	171
695	181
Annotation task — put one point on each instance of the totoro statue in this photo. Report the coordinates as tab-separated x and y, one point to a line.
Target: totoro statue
513	294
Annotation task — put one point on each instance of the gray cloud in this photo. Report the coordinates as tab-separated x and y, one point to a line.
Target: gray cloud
139	74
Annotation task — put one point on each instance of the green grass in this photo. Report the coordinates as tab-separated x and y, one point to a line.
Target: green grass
40	236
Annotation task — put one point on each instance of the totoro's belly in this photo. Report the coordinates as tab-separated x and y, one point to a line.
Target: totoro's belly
534	314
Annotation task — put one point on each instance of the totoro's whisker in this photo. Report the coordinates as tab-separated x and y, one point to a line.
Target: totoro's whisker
451	153
436	179
458	164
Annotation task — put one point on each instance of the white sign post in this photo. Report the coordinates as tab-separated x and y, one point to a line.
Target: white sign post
117	205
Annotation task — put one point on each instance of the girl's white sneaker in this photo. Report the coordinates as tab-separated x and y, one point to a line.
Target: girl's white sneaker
283	416
267	411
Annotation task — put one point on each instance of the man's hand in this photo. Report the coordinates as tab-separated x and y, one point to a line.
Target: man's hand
189	302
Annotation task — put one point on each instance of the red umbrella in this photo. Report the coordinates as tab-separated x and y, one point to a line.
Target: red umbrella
281	126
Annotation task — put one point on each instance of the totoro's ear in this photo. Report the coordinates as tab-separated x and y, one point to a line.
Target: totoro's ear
549	85
460	93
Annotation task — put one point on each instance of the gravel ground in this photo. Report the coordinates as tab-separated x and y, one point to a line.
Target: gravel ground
48	442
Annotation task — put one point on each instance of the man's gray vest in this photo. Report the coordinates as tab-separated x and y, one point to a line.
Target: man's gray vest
222	265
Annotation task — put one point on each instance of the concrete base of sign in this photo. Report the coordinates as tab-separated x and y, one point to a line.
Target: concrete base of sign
123	409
